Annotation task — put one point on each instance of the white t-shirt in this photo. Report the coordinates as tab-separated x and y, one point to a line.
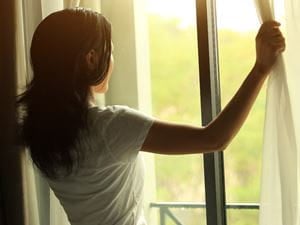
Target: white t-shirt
107	188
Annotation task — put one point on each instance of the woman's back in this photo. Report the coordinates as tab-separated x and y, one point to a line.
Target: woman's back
106	188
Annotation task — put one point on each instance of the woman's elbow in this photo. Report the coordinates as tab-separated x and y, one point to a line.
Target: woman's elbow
222	145
216	146
217	141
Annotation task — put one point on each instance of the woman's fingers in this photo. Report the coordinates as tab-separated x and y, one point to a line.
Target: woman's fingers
277	41
271	34
268	27
275	33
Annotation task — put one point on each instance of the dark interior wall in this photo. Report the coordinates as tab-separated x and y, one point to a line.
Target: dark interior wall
11	212
1	210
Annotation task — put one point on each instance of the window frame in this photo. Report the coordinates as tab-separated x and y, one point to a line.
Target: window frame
210	107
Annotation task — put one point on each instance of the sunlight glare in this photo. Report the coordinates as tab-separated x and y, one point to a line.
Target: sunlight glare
232	14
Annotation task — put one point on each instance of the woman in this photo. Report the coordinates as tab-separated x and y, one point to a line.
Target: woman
89	155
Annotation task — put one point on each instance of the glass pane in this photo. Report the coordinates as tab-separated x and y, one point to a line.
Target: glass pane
242	217
175	93
186	216
237	27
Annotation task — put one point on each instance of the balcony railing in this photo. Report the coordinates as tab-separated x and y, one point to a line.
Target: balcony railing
164	208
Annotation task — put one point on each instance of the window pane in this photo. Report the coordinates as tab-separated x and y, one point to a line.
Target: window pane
184	216
242	217
175	93
237	27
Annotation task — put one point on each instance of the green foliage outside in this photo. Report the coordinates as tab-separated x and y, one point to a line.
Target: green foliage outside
175	93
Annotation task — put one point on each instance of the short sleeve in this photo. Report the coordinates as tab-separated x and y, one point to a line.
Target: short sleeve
125	132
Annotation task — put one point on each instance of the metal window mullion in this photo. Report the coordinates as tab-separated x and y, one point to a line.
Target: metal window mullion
210	107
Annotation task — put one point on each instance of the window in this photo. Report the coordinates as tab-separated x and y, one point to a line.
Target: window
172	61
235	42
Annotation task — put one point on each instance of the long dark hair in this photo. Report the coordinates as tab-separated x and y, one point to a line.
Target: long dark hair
53	109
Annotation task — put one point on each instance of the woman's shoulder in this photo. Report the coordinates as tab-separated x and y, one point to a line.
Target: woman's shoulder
107	114
109	110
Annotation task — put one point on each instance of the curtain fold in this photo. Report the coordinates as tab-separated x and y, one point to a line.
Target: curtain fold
279	185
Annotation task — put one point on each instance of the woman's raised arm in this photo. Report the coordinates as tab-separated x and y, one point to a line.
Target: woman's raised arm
172	138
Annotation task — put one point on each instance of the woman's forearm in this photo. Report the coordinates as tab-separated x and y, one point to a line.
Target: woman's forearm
226	125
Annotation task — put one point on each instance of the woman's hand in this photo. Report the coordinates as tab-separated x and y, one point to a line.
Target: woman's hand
269	44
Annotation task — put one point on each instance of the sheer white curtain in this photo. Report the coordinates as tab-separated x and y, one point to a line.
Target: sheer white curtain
280	170
41	206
